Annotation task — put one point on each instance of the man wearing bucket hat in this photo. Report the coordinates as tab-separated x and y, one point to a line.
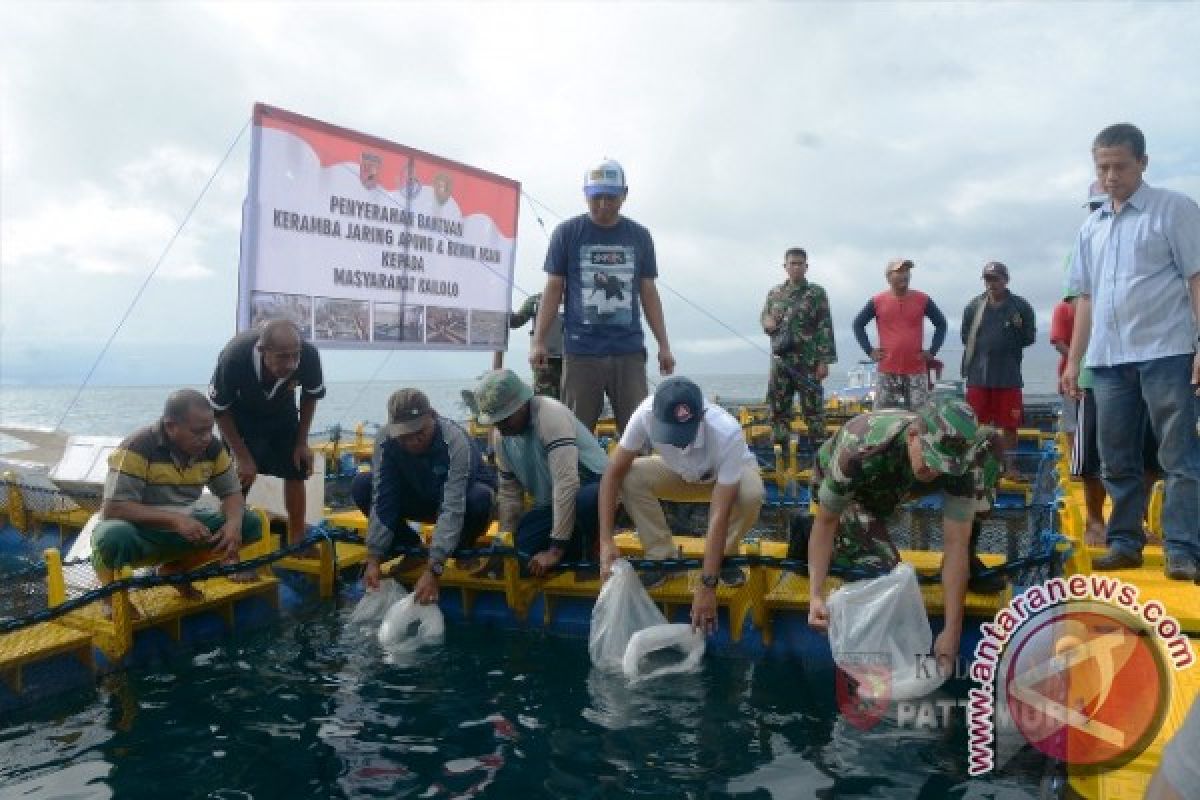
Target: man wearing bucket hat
542	450
425	468
603	343
700	453
881	459
900	315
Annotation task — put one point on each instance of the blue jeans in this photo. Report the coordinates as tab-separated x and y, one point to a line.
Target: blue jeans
533	531
1164	387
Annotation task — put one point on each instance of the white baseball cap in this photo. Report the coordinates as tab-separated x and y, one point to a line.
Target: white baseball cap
607	177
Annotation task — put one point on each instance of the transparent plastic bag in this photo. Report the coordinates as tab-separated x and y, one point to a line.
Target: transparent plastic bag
622	609
883	622
409	625
374	604
679	637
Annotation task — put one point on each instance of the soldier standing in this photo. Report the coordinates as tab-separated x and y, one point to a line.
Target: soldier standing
796	317
546	379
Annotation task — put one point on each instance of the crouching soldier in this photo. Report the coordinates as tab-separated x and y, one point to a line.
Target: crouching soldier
881	459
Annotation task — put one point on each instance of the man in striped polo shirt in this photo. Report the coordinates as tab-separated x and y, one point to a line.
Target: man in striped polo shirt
154	478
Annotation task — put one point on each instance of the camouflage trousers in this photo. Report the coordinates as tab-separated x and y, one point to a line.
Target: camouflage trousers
863	541
548	379
902	391
791	378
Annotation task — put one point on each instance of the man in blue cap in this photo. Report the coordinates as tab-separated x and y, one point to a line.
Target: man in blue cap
602	267
700	453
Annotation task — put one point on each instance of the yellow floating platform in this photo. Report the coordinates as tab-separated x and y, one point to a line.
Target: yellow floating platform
1132	780
39	643
163	607
767	589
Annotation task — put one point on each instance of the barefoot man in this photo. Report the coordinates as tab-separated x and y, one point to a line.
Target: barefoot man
154	478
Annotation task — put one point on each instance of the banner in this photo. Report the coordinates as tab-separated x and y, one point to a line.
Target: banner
369	244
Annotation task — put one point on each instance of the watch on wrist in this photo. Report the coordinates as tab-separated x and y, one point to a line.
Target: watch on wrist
708	581
437	568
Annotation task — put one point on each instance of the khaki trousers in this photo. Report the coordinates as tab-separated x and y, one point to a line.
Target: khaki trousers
649	480
586	379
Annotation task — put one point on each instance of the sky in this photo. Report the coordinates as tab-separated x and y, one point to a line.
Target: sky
951	134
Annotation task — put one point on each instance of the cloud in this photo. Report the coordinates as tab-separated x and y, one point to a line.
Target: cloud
948	133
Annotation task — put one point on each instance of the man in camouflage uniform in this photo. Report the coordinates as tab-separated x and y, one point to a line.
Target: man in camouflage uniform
796	317
881	459
547	379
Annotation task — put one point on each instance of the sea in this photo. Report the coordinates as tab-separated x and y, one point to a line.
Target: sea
311	707
118	410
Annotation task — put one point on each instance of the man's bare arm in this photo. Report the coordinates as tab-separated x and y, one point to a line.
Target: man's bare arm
652	308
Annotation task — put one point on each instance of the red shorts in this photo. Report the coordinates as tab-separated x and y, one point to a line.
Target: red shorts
999	407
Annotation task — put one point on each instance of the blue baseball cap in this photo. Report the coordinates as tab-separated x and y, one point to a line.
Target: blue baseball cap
678	409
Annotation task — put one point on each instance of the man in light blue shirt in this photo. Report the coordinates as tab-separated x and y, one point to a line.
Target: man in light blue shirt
1137	275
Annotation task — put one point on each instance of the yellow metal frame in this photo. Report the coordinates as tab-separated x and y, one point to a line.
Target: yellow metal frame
160	607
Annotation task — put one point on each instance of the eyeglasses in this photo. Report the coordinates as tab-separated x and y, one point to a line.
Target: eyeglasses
993	278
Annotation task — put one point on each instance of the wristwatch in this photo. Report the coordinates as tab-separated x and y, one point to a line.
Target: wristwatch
708	581
437	568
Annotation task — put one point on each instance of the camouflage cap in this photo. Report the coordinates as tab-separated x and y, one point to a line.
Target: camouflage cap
950	437
407	411
499	395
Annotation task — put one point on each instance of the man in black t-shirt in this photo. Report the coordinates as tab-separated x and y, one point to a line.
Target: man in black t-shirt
253	393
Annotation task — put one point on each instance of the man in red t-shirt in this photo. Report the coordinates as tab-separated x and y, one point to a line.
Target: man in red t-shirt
1062	321
899	315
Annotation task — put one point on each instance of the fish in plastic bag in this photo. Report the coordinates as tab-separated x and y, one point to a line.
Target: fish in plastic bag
409	625
679	638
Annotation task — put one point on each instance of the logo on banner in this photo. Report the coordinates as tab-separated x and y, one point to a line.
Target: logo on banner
413	187
864	688
442	186
369	168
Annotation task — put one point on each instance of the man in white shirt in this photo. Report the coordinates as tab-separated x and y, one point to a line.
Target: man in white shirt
700	453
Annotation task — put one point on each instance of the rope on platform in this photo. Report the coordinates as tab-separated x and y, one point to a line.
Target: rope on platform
1044	556
1047	557
151	581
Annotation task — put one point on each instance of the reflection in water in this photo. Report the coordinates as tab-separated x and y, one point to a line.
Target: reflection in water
310	708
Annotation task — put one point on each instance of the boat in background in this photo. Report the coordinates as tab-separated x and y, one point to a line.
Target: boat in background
859	388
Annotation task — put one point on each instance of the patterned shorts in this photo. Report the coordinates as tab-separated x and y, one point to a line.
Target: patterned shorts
902	391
